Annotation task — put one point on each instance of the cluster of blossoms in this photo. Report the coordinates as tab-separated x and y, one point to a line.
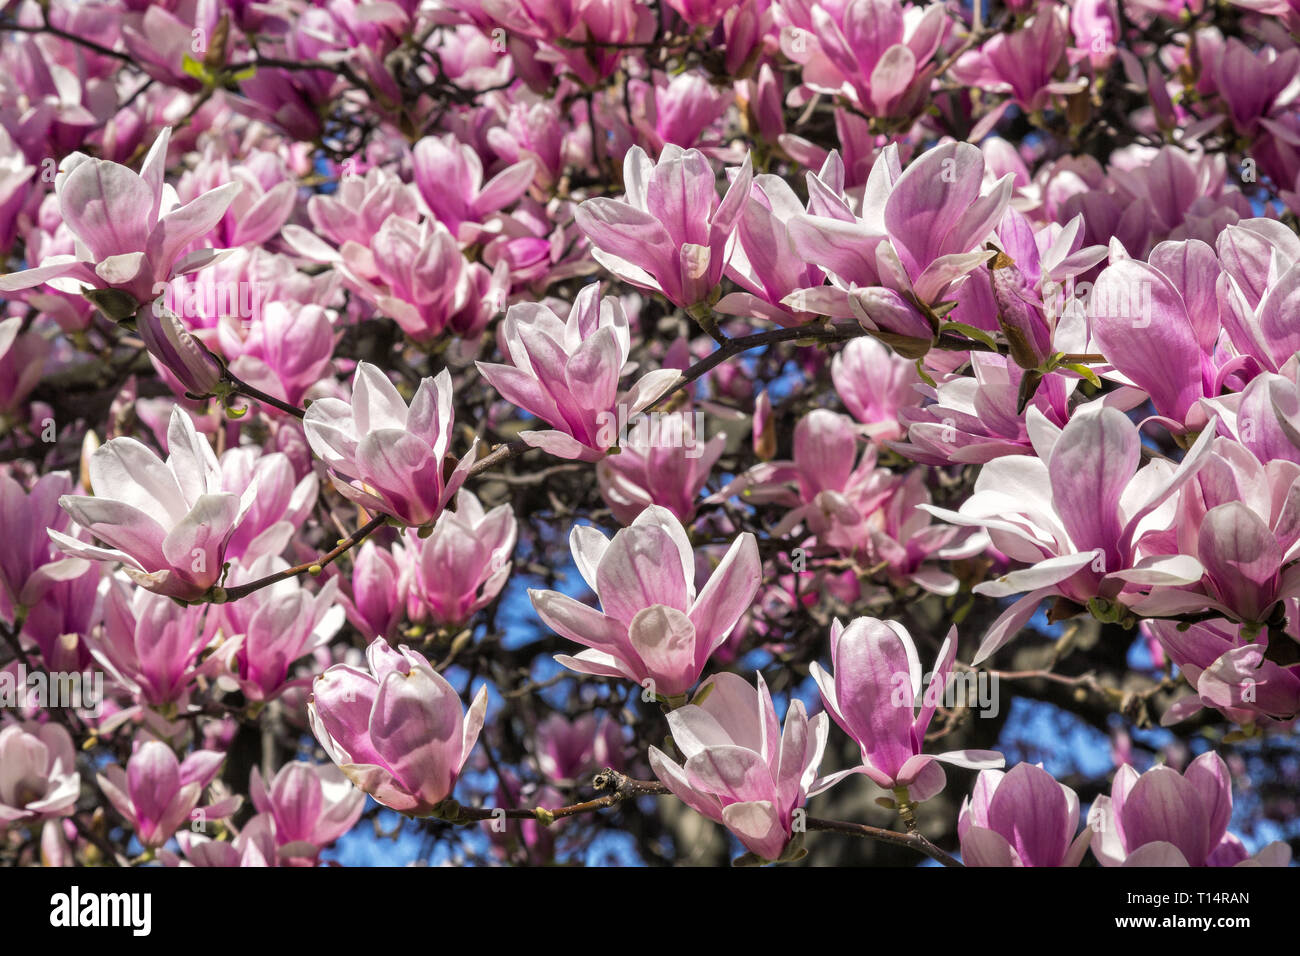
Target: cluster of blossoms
831	338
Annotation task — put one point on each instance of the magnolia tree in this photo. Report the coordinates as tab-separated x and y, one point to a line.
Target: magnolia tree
609	431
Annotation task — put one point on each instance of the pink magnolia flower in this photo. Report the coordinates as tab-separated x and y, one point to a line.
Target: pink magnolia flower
1164	818
1022	62
353	213
266	631
875	384
765	261
385	456
398	731
312	806
38	773
283	501
1095	26
679	111
1264	417
566	373
653	626
1028	289
1078	514
15	189
285	350
829	487
873	696
168	522
148	643
1254	84
377	603
463	564
973	418
1021	818
22	362
132	232
157	793
901	537
535	131
1158	323
669	234
254	845
178	355
568	748
921	232
449	175
30	562
63	606
290	99
1228	668
1261	279
876	52
742	768
1242	521
665	461
416	273
700	12
263	204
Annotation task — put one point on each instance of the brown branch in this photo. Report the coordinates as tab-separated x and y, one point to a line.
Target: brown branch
226	595
913	841
620	787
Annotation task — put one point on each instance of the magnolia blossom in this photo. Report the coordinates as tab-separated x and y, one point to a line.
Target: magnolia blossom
312	806
1023	63
566	373
397	730
1164	818
873	696
449	175
1158	323
379	582
22	361
875	385
742	768
568	748
131	228
828	486
30	564
148	643
38	773
1230	670
875	52
266	631
157	793
385	456
285	351
974	418
921	232
1078	515
254	845
463	563
168	522
665	461
670	234
1021	818
653	628
1027	281
765	261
